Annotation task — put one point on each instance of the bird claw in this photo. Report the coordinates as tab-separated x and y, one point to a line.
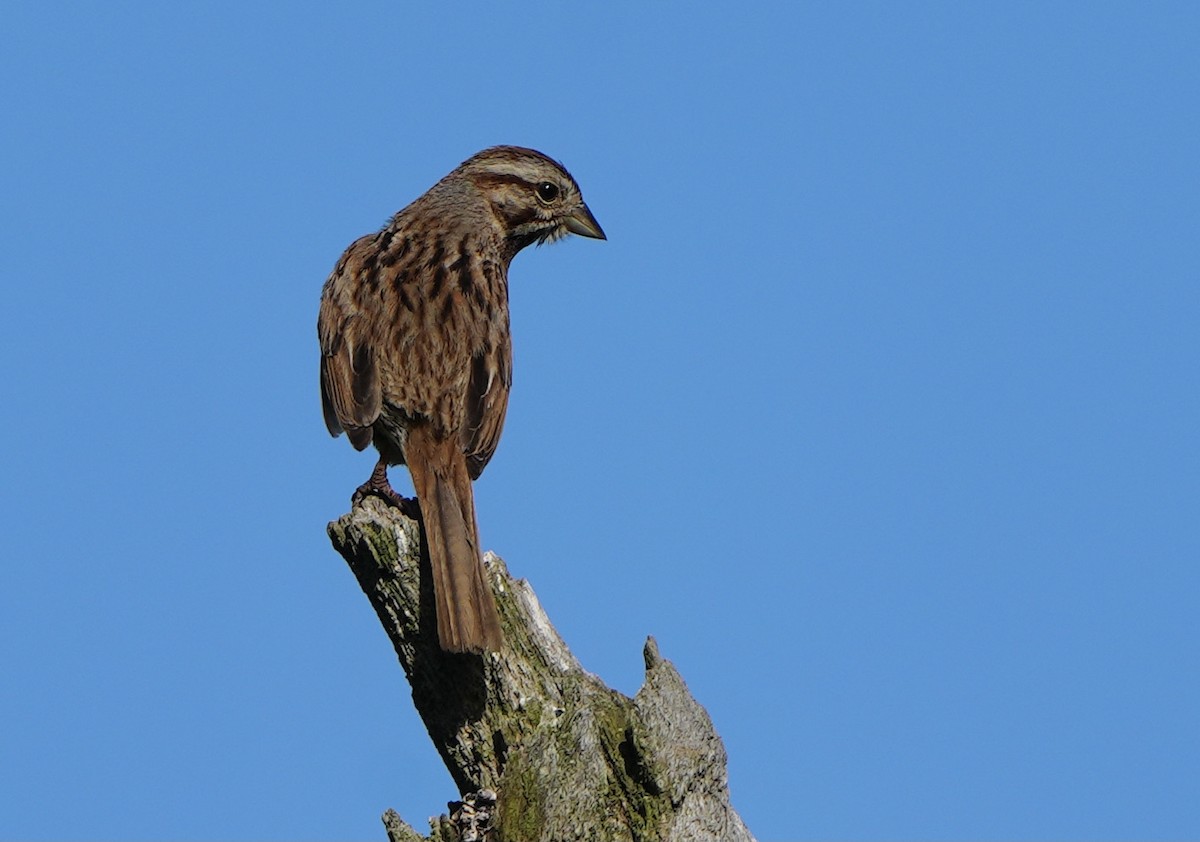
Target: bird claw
407	505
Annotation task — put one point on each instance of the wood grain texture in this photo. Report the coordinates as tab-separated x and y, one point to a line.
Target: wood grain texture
569	758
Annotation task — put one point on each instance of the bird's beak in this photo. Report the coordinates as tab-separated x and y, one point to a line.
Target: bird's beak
582	222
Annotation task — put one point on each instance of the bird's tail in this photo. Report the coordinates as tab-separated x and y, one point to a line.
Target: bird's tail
466	610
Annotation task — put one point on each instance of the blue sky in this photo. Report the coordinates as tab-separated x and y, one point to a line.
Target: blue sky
878	408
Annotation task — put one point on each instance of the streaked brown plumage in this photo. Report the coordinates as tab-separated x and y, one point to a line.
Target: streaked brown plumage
416	356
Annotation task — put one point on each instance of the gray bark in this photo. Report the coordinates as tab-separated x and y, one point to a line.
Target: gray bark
562	756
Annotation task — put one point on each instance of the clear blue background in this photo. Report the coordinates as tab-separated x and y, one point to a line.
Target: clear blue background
879	407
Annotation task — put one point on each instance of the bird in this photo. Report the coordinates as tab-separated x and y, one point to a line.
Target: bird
416	354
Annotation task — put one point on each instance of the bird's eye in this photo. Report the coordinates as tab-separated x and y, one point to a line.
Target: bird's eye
547	191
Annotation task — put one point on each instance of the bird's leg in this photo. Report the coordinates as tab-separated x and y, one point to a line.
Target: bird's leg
379	486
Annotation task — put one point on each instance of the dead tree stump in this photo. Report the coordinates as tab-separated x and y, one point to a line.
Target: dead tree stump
540	749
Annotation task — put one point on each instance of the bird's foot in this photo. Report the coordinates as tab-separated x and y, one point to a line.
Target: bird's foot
384	491
378	486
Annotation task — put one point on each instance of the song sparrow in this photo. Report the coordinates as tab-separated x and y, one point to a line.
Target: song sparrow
416	355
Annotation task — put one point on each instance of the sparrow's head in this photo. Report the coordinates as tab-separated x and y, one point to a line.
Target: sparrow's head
533	196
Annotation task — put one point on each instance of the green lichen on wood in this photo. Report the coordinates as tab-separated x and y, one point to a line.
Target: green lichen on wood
632	784
522	814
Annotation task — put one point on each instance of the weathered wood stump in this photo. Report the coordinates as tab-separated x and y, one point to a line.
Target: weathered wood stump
540	749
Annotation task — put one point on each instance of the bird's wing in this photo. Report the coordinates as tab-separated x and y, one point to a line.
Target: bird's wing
490	378
487	403
350	390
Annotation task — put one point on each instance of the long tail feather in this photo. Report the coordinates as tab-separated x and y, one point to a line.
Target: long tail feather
466	609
